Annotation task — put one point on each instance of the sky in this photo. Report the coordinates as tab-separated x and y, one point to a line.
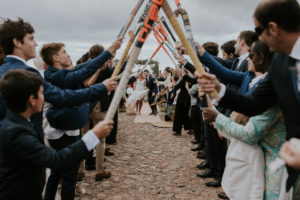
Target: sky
82	23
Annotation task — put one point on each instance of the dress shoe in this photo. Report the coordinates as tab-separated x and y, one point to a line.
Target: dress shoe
101	176
214	183
203	165
206	174
222	195
200	152
151	113
201	155
190	132
108	153
194	142
198	148
155	113
90	167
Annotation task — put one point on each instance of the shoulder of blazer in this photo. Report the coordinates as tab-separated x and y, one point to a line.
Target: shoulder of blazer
11	130
244	66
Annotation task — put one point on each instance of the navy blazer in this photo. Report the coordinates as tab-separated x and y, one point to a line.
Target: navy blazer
23	157
52	94
151	84
240	79
75	117
70	78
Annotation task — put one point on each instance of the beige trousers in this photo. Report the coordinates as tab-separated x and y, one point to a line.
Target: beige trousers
95	116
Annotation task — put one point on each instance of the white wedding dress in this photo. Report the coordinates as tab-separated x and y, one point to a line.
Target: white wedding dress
139	93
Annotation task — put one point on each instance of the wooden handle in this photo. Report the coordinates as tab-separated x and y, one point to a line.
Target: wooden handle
174	22
125	53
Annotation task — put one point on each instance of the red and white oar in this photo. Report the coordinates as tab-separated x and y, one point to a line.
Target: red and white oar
131	18
161	40
149	20
125	52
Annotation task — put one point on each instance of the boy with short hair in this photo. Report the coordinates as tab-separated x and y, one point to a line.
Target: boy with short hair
22	153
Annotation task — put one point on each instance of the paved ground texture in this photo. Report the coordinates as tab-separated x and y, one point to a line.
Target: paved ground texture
149	163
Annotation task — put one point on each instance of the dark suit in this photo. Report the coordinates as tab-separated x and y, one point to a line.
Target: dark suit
23	156
183	104
151	85
228	63
280	85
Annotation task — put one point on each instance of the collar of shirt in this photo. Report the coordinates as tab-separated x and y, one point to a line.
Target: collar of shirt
242	58
256	79
296	50
18	58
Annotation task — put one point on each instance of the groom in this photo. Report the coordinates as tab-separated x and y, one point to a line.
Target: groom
151	85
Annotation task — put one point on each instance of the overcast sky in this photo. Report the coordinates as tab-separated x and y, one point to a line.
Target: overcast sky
82	23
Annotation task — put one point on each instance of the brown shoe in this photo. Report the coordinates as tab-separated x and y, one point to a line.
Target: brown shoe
101	176
190	132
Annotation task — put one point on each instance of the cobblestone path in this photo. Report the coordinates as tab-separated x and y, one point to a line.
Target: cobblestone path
149	163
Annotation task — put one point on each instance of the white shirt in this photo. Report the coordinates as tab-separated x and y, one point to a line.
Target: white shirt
18	58
296	55
54	134
241	59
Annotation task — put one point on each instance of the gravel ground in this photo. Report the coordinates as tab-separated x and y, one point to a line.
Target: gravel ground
149	163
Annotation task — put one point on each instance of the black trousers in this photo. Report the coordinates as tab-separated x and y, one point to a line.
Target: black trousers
181	118
197	124
215	149
69	177
151	99
112	138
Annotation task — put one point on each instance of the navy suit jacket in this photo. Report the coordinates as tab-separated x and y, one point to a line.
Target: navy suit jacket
23	157
52	94
71	78
151	84
75	117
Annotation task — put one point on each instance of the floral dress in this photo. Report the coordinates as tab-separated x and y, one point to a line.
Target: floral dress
267	130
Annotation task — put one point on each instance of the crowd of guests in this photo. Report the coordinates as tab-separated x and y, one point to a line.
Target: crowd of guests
238	151
238	134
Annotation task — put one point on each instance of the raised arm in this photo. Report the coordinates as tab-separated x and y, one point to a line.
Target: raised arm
85	70
223	73
262	98
256	128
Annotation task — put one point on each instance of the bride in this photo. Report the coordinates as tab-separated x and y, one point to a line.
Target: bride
137	97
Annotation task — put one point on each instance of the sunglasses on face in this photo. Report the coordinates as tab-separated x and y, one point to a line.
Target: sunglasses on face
259	30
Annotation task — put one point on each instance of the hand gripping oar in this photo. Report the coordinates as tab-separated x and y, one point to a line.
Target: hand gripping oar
149	20
174	22
131	18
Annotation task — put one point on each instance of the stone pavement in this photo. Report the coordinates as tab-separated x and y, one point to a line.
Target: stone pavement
149	163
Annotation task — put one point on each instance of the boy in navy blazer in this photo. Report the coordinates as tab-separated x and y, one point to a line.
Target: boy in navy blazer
22	153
